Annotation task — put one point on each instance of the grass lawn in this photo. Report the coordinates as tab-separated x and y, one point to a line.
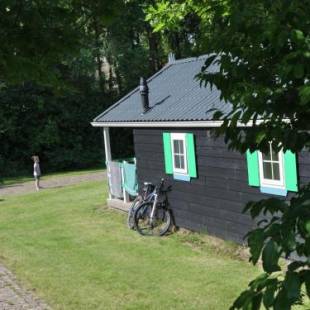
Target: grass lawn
23	179
77	254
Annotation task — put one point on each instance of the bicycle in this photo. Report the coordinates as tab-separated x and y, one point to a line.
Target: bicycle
146	195
153	217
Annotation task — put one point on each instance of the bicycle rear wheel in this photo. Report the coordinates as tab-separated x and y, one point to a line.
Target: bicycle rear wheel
160	224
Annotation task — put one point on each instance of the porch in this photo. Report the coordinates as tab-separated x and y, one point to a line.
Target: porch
122	178
118	204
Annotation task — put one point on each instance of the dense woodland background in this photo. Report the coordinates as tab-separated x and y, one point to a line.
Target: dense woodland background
49	113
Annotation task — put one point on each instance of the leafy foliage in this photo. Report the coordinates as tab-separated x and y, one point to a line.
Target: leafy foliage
38	36
34	120
181	24
262	50
284	232
263	72
64	62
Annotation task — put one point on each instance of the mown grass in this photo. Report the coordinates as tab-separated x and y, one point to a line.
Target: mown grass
77	254
22	179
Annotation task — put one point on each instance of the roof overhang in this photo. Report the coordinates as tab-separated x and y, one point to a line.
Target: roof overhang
173	124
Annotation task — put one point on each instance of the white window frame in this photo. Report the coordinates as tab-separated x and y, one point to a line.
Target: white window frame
179	136
272	183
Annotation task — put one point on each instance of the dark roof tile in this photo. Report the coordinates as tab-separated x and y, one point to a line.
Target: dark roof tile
174	95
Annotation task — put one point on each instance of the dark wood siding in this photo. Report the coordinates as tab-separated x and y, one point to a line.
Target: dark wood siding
214	201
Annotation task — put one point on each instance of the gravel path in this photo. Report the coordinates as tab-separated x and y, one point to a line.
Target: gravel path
52	182
14	297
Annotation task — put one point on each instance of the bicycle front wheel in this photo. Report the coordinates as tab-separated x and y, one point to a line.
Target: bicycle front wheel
156	227
131	211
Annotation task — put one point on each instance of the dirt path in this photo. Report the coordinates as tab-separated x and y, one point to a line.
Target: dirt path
51	182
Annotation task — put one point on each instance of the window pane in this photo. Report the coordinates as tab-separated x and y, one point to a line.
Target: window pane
182	164
276	171
177	161
275	156
181	147
266	156
176	146
267	170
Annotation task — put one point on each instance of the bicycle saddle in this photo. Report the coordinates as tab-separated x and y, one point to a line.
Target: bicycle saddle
147	183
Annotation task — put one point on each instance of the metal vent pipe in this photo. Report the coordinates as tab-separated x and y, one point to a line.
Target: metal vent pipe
144	92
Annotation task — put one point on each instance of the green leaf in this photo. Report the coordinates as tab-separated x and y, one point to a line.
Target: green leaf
243	300
307	282
292	286
259	282
299	71
307	226
256	242
257	301
270	256
260	136
209	61
295	265
217	115
282	303
298	35
159	27
269	296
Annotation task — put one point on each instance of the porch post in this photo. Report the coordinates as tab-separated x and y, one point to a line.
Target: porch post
108	155
125	194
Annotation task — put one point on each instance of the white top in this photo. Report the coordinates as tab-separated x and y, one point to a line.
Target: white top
36	169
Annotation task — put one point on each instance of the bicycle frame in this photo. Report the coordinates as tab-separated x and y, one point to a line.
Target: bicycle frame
154	207
148	196
157	191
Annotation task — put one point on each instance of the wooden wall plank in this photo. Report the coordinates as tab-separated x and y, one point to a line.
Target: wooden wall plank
214	201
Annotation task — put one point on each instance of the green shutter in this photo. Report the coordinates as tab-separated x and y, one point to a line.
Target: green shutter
290	170
253	169
191	157
167	152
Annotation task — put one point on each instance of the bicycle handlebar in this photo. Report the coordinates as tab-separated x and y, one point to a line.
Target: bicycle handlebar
159	187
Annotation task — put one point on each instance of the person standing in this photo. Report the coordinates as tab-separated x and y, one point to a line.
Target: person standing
36	171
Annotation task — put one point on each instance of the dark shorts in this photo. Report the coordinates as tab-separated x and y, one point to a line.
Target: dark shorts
37	177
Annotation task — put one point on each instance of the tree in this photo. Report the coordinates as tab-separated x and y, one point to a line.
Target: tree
38	36
34	37
262	50
62	63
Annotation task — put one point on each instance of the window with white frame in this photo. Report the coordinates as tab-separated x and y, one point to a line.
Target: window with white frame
179	156
271	168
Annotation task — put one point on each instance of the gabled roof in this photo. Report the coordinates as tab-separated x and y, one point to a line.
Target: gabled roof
175	95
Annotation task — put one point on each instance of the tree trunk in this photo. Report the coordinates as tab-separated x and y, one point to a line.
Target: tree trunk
174	43
118	80
177	46
153	40
98	56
